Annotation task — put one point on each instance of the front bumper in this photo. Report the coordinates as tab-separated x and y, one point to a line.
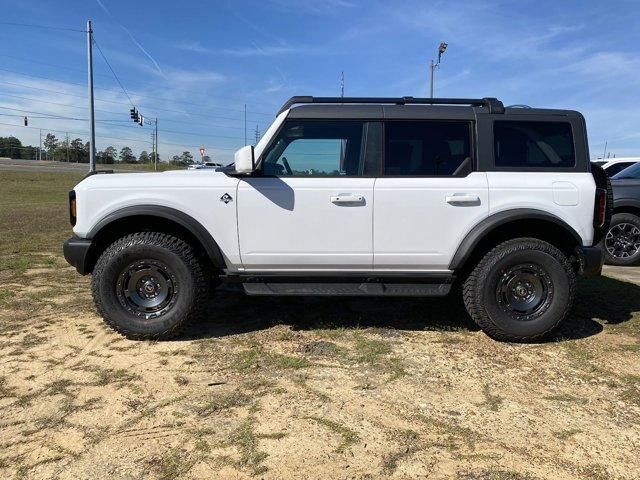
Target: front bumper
76	252
591	261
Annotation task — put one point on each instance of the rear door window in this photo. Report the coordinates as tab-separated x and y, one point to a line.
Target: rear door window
427	148
533	144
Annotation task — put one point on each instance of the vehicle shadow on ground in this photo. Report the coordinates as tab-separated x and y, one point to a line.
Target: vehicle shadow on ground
599	301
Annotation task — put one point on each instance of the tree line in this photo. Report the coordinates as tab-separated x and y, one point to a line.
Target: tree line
77	151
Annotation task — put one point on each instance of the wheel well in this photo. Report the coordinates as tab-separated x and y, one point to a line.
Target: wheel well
544	230
627	209
120	227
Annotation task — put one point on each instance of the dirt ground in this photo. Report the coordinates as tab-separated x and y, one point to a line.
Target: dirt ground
302	387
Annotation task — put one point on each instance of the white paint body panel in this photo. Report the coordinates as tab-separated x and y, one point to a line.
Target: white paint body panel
195	193
535	190
340	224
293	224
415	228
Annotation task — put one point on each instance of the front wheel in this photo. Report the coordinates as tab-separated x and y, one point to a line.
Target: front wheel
622	241
521	290
149	286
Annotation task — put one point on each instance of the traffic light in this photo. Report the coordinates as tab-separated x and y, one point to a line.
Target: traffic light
26	121
134	115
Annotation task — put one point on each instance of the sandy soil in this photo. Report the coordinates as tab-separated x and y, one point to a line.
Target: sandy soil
315	388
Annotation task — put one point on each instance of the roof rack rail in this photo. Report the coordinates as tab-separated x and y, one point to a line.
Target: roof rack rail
493	104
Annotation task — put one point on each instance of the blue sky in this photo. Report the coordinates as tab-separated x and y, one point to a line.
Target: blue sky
195	64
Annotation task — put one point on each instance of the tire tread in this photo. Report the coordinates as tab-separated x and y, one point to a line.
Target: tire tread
472	291
178	247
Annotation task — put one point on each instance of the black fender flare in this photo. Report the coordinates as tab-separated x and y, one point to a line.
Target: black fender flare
487	225
189	223
626	202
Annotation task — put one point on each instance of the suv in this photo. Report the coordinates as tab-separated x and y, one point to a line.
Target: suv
358	196
616	165
622	242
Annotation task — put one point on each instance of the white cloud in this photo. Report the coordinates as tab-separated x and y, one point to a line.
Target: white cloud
58	98
193	47
322	7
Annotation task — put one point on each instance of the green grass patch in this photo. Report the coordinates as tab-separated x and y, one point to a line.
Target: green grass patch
257	357
565	397
348	436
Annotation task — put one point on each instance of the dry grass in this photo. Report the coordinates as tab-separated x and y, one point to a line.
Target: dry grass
299	387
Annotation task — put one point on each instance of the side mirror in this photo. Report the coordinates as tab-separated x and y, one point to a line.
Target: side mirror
244	161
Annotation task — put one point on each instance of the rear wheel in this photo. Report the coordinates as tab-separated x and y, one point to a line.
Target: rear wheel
149	286
622	241
521	290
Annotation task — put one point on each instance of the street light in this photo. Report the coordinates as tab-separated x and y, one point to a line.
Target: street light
441	49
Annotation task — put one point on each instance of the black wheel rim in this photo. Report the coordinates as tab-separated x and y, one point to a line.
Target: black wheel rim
524	291
623	240
147	288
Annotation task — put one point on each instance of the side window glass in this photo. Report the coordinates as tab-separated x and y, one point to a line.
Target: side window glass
316	148
617	167
533	144
427	148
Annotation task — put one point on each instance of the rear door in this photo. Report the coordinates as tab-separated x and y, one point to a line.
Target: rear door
429	195
311	206
541	162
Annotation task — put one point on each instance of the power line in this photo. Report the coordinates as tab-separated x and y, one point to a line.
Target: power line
108	111
179	102
48	115
114	138
49	27
132	80
204	115
114	73
58	117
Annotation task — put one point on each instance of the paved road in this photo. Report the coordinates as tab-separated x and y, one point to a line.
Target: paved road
47	166
626	274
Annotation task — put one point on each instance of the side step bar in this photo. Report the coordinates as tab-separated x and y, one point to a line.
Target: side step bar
349	289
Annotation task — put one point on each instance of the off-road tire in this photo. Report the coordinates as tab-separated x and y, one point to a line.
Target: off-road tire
185	273
618	219
482	294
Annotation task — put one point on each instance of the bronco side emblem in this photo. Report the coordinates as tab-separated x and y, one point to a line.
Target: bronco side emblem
226	198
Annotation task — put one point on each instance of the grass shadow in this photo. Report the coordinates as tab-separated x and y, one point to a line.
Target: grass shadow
235	313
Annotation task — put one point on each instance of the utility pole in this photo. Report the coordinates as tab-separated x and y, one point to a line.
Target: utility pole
40	147
67	147
342	85
257	132
155	156
245	123
604	154
92	123
441	49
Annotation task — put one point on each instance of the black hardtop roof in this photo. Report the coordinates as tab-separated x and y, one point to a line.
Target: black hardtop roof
405	107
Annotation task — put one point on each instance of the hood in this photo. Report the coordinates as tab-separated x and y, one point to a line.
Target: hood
141	181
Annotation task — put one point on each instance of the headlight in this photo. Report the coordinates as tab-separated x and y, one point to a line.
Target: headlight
72	207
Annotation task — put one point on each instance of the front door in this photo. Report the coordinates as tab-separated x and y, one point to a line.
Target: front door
428	197
309	207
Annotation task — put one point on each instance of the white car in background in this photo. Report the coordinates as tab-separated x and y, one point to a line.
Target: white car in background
200	166
615	165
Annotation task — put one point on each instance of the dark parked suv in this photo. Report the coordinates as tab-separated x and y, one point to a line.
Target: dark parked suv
622	242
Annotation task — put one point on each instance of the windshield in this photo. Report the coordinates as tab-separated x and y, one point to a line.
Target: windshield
630	172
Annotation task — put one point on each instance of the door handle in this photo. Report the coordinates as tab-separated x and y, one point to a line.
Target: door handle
347	198
462	198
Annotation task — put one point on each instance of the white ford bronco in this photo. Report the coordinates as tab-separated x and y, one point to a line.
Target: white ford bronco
358	196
